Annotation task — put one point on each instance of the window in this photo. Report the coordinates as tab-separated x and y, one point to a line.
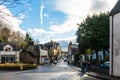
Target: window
8	49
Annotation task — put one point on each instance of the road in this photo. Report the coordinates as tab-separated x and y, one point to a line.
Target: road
61	71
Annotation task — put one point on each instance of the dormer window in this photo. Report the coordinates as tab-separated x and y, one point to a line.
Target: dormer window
7	48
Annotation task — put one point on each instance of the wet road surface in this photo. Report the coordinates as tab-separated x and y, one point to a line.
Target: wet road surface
61	71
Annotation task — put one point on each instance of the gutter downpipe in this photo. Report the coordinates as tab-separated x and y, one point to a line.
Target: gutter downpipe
112	46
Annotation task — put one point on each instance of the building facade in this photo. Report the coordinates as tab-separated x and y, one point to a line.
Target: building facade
115	40
72	50
9	53
54	50
30	54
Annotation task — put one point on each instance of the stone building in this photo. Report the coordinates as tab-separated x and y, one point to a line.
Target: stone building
54	50
30	54
72	50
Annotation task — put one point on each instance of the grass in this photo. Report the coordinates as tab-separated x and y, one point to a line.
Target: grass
17	66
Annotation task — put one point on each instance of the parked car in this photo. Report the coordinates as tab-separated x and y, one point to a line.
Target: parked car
105	65
46	61
65	59
55	62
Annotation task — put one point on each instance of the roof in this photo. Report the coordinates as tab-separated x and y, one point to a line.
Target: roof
15	48
74	49
32	50
116	8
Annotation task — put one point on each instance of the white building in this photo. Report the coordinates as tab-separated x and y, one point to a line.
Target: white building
43	56
115	40
8	53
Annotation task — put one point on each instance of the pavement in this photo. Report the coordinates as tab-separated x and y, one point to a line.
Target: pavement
98	75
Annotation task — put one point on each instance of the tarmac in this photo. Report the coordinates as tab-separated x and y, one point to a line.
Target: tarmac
98	75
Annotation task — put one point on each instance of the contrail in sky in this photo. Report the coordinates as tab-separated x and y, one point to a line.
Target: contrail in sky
41	13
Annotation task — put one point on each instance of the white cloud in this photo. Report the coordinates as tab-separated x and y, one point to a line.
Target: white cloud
51	22
46	36
110	3
66	27
76	11
46	15
27	5
73	7
102	6
21	16
41	13
8	18
39	32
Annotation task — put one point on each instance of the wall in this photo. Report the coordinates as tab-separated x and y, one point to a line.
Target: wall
116	45
43	52
43	55
16	53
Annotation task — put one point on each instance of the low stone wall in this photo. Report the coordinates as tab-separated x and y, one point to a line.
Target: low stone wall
96	69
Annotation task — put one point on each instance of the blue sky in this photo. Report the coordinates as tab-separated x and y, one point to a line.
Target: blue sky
55	20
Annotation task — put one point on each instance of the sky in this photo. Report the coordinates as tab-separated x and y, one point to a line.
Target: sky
55	20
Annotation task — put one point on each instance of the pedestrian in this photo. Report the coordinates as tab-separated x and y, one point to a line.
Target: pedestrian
48	61
68	62
84	65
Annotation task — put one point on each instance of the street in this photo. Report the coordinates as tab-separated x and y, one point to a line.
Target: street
60	71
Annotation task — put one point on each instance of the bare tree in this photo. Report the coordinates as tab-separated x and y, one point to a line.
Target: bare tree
11	4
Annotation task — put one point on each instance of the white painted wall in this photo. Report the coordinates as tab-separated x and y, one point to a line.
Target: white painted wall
16	53
110	57
116	45
43	52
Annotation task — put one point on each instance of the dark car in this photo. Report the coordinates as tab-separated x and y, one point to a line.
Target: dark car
105	65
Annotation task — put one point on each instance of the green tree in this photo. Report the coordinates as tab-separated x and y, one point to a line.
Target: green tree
28	39
83	39
94	32
1	39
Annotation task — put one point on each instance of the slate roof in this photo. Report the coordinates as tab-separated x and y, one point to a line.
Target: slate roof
15	48
33	50
74	50
116	8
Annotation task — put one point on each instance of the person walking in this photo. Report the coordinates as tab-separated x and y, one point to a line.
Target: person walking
68	61
84	67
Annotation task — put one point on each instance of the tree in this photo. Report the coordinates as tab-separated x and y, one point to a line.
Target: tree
37	42
20	39
11	4
93	33
83	39
5	33
69	46
28	39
